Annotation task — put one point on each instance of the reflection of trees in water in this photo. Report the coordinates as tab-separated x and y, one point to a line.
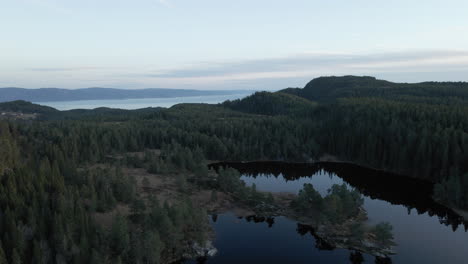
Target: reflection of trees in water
395	189
379	260
356	257
214	218
202	260
319	242
303	230
260	219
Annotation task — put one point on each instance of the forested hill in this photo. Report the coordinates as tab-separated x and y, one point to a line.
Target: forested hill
26	108
328	89
267	103
40	112
420	130
56	94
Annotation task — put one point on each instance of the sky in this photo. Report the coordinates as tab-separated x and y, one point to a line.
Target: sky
220	44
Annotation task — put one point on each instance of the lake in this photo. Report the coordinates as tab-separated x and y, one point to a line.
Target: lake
425	232
142	103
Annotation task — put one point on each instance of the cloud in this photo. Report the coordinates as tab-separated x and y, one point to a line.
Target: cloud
53	5
259	74
63	69
165	3
307	65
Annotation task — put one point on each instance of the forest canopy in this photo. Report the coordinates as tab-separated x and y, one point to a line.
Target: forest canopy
46	201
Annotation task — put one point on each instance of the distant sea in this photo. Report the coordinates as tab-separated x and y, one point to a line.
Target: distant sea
142	103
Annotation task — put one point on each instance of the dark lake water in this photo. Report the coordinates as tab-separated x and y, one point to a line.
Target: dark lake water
425	231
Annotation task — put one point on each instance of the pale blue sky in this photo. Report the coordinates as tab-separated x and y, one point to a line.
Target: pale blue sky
216	44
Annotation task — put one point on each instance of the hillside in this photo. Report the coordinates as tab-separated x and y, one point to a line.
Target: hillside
418	130
267	103
41	112
24	107
328	89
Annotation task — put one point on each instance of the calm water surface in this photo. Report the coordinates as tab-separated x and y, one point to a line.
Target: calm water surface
142	103
424	231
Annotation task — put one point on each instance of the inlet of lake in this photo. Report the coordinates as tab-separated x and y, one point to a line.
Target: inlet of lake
424	231
142	102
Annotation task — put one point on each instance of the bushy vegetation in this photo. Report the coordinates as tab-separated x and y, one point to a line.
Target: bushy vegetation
47	204
453	191
337	206
266	103
229	181
383	232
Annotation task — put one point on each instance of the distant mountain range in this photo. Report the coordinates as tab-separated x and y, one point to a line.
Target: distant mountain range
57	94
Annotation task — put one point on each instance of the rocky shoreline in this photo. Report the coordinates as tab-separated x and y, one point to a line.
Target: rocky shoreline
201	251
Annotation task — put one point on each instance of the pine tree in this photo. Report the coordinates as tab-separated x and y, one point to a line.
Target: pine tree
214	196
37	253
152	247
119	237
15	257
145	182
383	232
3	259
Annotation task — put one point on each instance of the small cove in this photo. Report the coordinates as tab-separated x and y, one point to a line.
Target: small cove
425	232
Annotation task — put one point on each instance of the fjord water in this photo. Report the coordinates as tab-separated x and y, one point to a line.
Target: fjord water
425	231
142	103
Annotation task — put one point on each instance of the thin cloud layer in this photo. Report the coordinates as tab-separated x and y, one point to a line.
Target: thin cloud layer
276	73
260	74
305	63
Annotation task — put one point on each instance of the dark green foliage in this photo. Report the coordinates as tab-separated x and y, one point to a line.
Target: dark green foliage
119	236
229	182
337	206
419	130
15	258
138	207
266	103
328	89
356	257
453	191
108	186
3	259
341	203
9	152
43	193
26	107
308	198
214	196
421	140
383	232
357	231
146	182
151	247
123	187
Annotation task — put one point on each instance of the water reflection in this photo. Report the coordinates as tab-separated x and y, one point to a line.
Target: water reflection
395	189
255	239
425	231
